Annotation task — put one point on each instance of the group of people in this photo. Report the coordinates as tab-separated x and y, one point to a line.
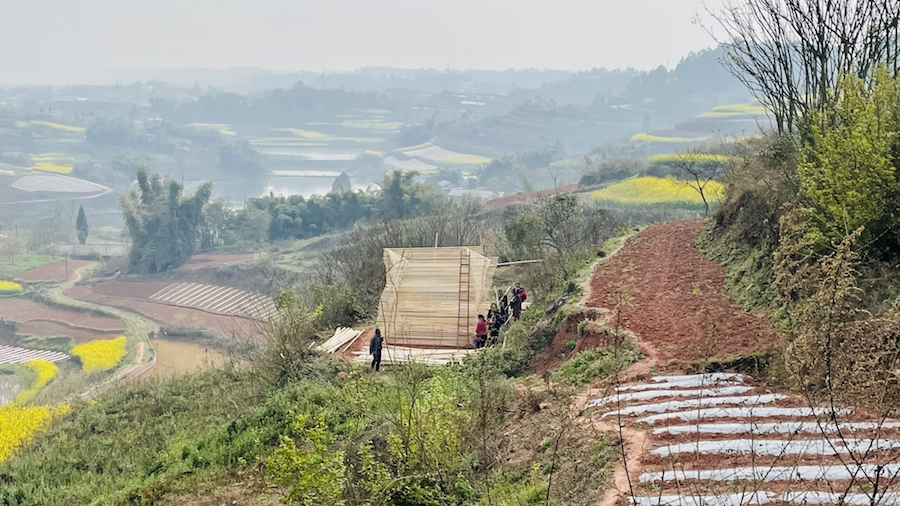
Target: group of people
502	310
487	329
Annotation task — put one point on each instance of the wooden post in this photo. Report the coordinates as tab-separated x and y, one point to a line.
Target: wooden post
436	239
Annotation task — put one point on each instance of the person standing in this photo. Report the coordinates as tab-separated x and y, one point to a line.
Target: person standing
495	321
481	332
503	302
375	349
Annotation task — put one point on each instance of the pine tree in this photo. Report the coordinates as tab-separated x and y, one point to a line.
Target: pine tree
81	225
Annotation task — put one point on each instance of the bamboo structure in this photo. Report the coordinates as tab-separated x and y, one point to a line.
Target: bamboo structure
432	296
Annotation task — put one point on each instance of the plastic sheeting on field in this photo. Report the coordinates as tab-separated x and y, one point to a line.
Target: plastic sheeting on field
695	404
646	395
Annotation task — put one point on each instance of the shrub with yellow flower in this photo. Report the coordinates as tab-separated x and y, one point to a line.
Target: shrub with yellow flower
45	370
18	422
7	287
100	355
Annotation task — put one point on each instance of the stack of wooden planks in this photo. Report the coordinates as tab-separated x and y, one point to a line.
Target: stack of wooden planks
392	355
432	296
343	337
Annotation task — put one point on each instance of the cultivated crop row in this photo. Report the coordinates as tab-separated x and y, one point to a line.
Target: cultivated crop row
15	355
718	440
217	299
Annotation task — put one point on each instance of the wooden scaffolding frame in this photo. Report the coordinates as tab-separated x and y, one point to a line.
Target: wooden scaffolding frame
432	296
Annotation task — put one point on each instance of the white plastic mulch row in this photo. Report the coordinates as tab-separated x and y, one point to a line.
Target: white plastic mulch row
780	447
773	428
694	404
745	412
15	355
646	395
216	299
689	381
777	473
809	497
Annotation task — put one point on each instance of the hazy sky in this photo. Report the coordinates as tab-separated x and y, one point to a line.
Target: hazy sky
347	34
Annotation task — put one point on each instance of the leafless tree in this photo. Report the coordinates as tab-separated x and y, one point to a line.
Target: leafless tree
791	53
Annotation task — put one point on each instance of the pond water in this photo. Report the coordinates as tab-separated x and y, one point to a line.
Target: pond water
8	388
178	357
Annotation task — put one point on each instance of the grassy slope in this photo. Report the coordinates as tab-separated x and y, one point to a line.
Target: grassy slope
23	263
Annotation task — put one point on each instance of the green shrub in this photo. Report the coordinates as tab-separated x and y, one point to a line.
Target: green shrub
598	362
312	474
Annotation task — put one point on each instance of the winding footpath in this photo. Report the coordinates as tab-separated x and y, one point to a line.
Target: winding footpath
718	439
137	327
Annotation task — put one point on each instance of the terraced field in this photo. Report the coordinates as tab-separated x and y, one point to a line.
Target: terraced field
55	183
56	271
217	299
163	314
717	439
15	355
23	310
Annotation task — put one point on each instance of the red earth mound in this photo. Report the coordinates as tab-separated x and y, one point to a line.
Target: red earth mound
54	272
675	299
527	197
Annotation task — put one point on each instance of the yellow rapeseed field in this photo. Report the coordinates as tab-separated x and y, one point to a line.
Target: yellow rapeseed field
643	137
699	158
18	422
45	370
655	191
52	167
735	110
466	159
101	354
50	124
9	287
58	163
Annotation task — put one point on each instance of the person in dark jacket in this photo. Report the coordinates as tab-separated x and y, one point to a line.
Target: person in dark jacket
495	321
502	302
375	349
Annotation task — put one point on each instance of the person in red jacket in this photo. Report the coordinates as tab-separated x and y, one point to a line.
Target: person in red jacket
481	332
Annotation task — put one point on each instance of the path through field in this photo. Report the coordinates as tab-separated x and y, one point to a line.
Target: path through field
138	330
718	439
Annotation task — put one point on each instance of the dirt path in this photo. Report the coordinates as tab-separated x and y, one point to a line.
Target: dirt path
674	299
137	327
661	288
721	439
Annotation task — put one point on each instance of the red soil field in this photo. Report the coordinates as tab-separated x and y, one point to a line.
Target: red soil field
21	310
204	260
170	315
129	289
526	197
679	307
53	272
79	335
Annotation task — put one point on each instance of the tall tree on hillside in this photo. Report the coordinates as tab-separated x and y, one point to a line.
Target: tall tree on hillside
81	225
163	224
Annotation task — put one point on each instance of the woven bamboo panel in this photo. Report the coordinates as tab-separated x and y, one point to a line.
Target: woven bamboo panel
422	299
